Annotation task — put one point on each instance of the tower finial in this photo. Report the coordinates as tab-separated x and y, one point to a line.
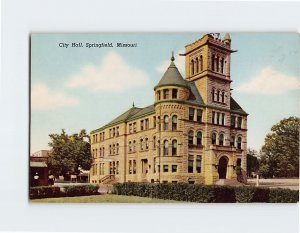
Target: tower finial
133	104
172	58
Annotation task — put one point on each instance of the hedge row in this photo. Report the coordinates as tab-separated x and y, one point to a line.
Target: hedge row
206	193
65	191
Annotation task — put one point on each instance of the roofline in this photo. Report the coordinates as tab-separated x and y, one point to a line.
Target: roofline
176	85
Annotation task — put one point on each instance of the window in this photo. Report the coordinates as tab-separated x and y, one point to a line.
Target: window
197	65
222	65
223	118
117	148
114	148
174	168
199	138
174	123
166	122
174	93
199	115
103	152
134	146
232	139
141	144
166	168
110	133
158	95
117	131
239	142
130	167
114	132
100	152
174	147
134	167
218	63
147	144
117	167
193	66
191	164
221	139
198	163
142	124
96	153
147	123
134	127
223	97
154	122
213	62
166	94
213	138
191	114
201	63
218	118
191	137
239	122
110	149
213	94
130	128
159	123
213	117
154	142
218	96
166	147
232	122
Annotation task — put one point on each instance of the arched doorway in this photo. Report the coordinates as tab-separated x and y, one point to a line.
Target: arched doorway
222	168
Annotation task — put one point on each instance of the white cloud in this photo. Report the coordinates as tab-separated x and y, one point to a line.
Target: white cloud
113	74
179	62
270	82
43	98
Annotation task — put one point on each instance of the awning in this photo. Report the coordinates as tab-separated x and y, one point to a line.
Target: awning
38	164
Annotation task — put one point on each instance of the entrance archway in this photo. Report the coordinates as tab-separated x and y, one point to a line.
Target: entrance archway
222	168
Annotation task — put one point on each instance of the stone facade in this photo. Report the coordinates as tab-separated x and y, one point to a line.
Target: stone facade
194	132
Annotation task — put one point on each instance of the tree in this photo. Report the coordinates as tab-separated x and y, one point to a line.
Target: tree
252	161
280	153
69	152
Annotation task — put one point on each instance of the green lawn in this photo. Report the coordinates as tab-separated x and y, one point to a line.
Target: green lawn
107	198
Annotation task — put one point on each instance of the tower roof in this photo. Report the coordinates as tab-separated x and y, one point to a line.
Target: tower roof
172	76
227	37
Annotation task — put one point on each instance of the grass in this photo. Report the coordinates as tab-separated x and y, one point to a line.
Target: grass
107	198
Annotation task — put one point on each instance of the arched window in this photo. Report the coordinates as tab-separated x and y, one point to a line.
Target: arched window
174	147
166	147
103	152
232	139
166	122
223	97
114	148
147	144
239	142
197	65
213	94
154	142
100	151
218	64
213	138
218	95
201	63
192	66
134	146
117	148
199	138
213	62
141	144
191	137
222	65
221	139
174	123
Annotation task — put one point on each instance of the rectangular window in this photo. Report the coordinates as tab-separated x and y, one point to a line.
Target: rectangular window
110	134
191	164
174	168
117	131
191	114
199	115
134	167
166	168
142	124
130	167
130	128
114	132
134	127
213	117
166	94
154	122
198	163
223	118
174	93
218	118
147	123
232	122
239	123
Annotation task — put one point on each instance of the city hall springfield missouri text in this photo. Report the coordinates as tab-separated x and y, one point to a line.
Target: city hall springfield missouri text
194	131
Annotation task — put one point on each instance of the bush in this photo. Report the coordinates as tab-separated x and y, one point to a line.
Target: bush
44	192
280	195
80	190
244	194
206	193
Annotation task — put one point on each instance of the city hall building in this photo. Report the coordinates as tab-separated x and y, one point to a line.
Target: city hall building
194	131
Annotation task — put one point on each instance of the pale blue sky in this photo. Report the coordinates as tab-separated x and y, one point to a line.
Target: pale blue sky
79	88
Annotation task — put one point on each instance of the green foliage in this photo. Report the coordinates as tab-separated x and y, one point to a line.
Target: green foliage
80	190
279	156
205	193
69	152
244	194
44	192
252	161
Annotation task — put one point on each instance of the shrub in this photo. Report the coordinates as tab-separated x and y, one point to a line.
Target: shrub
223	194
80	190
244	194
280	195
44	192
261	195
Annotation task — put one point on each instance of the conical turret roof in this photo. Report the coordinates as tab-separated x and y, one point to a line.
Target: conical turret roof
172	76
